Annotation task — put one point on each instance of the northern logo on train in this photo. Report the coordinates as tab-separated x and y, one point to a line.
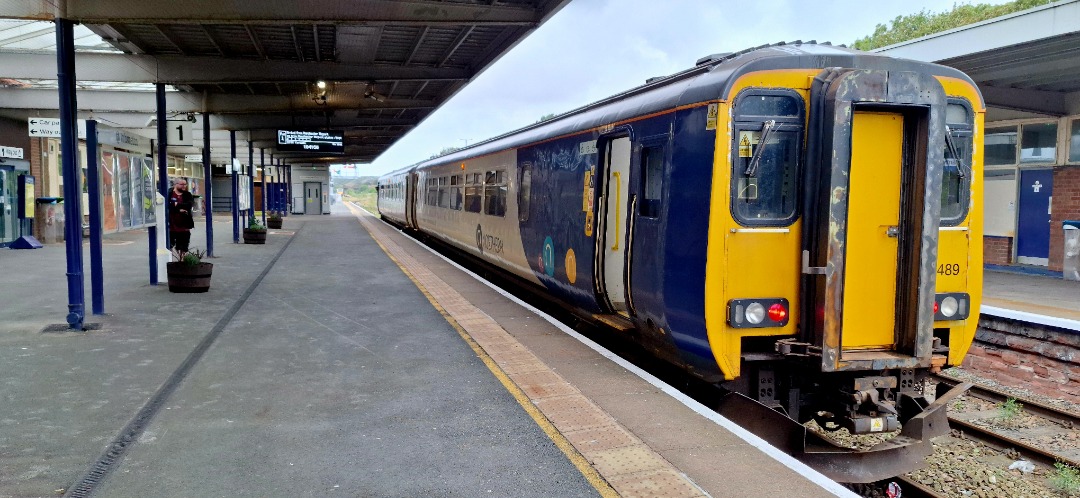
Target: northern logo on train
480	239
488	243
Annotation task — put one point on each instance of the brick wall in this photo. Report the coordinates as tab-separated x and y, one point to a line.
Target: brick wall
1066	206
997	250
1040	359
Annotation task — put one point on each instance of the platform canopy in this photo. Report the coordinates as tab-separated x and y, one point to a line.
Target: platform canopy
1026	64
384	65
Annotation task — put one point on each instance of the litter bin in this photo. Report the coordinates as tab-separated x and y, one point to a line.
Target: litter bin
1071	262
49	218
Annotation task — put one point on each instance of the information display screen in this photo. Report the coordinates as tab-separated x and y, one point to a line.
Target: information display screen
332	142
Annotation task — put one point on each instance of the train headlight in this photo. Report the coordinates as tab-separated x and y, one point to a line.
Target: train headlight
757	313
951	306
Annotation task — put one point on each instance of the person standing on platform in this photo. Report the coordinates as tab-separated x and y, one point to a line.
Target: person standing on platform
180	220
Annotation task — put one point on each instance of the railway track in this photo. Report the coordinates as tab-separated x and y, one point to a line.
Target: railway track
1006	443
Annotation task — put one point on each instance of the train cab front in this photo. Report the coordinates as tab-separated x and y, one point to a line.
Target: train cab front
886	154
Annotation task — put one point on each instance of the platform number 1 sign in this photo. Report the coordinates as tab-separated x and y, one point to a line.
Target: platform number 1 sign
179	133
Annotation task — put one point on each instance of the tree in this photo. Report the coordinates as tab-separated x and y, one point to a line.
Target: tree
444	151
913	26
545	117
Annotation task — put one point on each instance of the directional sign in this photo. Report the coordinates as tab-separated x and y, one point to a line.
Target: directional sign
311	141
12	152
192	158
44	127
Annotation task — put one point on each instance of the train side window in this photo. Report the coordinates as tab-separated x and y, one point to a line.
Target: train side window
766	156
652	181
444	192
432	197
455	192
956	181
525	191
473	192
495	193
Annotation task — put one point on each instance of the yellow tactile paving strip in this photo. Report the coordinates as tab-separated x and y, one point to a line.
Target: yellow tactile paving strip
627	465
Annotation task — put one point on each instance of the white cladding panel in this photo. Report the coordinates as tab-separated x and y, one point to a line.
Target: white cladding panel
496	239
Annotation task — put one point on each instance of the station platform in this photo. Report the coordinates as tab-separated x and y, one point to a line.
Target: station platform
1046	300
316	366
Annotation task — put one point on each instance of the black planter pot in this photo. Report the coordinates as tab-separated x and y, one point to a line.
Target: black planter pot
254	236
189	278
275	224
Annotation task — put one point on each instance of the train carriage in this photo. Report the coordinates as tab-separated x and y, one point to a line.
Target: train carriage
797	223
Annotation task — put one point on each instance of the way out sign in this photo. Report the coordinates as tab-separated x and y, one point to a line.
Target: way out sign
179	133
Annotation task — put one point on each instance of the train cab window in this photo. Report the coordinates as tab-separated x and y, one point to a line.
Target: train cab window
495	193
473	192
455	191
444	192
956	180
652	181
766	155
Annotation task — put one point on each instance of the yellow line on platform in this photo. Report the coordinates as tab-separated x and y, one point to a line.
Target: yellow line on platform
576	458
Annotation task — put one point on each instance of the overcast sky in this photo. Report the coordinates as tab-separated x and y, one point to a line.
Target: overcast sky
592	49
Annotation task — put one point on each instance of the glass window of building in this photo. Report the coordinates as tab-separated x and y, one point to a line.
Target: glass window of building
1074	141
1039	143
1000	146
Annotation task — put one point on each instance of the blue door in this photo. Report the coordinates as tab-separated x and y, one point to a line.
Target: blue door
1033	224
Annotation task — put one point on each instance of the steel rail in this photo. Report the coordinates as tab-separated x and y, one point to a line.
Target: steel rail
1050	412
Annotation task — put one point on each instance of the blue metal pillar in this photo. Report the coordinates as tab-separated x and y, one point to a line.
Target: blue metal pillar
288	186
208	186
93	190
235	188
251	180
65	75
163	182
262	181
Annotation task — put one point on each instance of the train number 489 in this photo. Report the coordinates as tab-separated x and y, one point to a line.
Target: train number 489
948	269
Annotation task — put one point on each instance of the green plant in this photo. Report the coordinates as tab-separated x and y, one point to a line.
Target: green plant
1010	409
273	215
1066	478
190	258
253	224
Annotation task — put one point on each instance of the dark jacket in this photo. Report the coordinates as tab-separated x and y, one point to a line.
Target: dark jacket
180	221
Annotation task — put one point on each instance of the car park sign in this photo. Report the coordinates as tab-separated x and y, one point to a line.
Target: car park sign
44	127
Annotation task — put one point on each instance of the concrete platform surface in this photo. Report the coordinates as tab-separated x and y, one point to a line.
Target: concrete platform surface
316	367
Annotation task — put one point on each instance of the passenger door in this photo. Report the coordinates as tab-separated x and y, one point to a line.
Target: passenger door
615	203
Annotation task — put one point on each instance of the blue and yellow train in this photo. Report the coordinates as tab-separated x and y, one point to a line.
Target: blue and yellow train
799	223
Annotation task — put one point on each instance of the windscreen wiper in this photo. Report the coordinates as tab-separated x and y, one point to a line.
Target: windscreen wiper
766	130
962	168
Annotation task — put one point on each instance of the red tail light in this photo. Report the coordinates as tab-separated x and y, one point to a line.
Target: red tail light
777	312
936	307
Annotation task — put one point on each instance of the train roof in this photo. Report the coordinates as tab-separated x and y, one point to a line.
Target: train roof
710	79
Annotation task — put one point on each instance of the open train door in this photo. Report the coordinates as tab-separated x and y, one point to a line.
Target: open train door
870	235
615	150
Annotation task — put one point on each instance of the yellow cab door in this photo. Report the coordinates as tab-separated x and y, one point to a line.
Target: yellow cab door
870	276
